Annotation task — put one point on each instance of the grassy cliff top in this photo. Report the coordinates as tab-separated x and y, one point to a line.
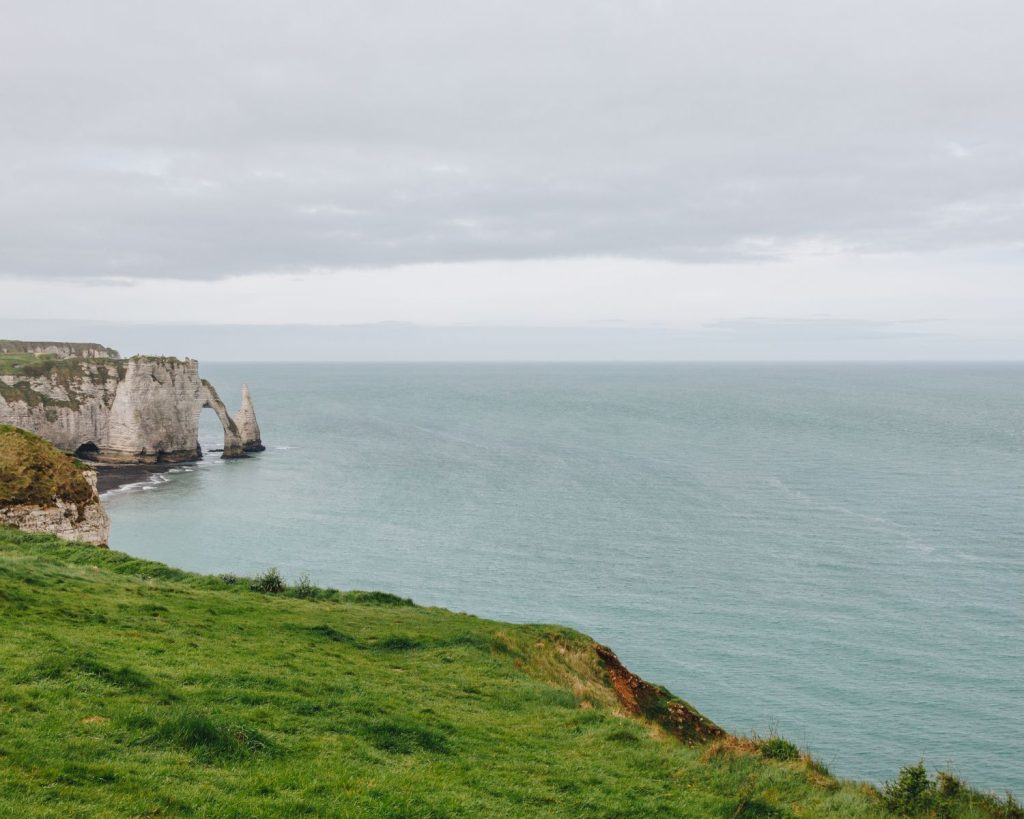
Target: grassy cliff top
31	365
129	688
67	348
33	471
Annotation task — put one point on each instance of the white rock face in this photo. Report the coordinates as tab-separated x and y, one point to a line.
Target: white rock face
66	412
155	413
247	425
138	410
232	439
87	524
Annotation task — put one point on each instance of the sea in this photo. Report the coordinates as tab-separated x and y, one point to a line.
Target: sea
830	552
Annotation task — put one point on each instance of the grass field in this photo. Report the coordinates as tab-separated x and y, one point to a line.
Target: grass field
128	688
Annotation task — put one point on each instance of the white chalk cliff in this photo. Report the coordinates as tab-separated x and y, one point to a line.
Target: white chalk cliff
143	409
248	428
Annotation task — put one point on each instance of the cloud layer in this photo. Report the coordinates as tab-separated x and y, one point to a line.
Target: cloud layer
203	140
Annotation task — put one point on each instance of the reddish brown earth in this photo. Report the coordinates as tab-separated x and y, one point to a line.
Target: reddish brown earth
641	698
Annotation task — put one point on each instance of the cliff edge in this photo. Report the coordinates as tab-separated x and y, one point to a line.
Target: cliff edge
44	490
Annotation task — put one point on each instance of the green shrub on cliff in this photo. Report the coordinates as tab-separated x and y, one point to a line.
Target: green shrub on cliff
914	794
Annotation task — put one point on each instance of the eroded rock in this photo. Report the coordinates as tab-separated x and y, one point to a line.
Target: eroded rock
143	409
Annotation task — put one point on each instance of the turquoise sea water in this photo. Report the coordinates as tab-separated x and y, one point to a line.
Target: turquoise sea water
832	551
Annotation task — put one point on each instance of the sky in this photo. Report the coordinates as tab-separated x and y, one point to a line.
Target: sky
516	180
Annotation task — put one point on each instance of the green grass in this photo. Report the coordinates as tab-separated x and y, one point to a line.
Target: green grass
129	688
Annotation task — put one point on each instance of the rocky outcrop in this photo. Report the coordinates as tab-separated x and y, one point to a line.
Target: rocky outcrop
640	698
44	490
143	409
232	439
247	425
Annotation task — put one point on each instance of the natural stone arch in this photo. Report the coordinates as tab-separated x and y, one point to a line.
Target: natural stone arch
233	447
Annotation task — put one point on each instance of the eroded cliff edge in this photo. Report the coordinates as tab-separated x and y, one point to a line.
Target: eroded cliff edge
44	490
86	399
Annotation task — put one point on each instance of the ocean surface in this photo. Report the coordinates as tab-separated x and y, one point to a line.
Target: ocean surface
833	552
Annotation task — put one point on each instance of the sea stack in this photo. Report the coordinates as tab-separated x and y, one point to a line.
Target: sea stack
247	425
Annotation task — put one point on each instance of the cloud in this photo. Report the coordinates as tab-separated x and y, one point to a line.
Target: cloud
204	140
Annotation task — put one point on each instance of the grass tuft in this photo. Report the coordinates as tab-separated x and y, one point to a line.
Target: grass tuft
210	739
404	735
779	748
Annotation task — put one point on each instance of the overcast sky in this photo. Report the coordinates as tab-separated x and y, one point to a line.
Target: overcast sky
853	169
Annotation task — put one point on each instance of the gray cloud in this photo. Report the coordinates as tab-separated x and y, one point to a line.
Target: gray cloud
204	139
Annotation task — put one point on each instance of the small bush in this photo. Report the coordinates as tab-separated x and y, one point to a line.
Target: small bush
305	588
270	582
948	785
912	794
779	748
228	579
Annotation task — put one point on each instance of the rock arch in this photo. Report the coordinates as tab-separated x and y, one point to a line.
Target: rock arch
233	447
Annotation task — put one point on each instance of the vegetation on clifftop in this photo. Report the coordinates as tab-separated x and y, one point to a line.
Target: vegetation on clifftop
132	688
70	349
70	375
33	472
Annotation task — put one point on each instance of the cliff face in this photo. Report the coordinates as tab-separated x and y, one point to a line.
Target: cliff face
155	413
44	490
143	409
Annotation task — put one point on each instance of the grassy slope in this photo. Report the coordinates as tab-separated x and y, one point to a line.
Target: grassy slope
33	472
130	688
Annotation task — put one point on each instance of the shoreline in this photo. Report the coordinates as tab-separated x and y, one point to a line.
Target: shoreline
116	476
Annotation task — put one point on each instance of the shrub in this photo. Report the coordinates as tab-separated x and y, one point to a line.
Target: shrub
305	588
270	582
912	794
947	784
228	579
779	748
